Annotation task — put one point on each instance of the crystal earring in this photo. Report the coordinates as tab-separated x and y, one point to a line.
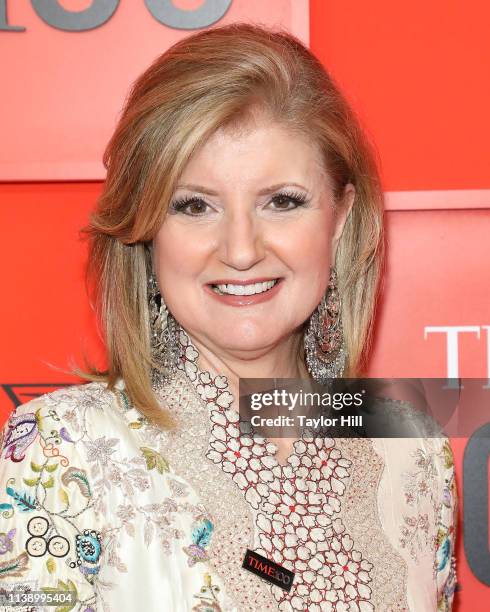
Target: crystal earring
324	339
162	329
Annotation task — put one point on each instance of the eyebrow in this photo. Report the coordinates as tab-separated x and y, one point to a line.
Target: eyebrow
265	191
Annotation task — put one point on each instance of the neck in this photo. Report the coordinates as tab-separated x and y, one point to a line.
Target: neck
284	360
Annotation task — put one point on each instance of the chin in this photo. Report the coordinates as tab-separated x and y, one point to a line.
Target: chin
259	340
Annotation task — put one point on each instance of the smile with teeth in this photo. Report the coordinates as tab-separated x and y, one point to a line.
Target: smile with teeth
251	289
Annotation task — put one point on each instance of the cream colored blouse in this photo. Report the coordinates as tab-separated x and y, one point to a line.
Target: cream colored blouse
98	503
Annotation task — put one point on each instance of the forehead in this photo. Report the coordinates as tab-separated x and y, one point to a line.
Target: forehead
255	152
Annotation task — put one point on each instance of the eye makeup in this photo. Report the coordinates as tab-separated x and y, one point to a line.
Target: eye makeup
289	196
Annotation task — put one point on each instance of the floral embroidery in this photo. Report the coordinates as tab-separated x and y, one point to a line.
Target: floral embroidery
22	432
51	532
308	515
14	566
186	448
421	483
6	541
295	504
417	531
208	597
201	536
58	546
65	499
88	551
100	449
79	477
37	545
154	460
69	585
23	501
443	554
445	561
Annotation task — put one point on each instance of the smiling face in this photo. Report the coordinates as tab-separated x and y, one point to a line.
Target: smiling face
250	206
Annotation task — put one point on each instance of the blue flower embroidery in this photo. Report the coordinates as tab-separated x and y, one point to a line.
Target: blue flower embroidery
201	536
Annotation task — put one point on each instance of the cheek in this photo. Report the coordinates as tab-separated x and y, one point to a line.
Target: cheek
174	257
307	246
178	259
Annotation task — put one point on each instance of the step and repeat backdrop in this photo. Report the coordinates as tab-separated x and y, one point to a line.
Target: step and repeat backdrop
416	73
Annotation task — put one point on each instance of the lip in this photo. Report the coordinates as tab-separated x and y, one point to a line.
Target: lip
251	281
245	300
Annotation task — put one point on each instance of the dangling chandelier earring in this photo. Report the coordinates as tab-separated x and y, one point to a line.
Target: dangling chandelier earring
162	327
324	339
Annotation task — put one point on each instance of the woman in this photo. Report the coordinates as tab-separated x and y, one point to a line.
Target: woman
238	235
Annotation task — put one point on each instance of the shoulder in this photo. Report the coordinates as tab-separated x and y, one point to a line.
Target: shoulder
92	395
417	490
424	463
56	421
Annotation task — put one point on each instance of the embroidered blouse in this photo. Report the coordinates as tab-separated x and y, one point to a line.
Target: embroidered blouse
98	503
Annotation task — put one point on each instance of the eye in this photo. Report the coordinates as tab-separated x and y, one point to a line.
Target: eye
282	201
189	203
194	206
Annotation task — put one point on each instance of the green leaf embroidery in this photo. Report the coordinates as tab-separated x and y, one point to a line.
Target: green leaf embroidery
52	589
52	467
65	608
51	565
63	495
448	455
49	483
154	460
35	467
39	420
63	586
31	482
441	536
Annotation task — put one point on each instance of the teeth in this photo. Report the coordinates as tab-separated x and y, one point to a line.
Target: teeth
251	289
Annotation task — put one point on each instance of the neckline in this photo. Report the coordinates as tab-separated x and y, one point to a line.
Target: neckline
298	500
186	360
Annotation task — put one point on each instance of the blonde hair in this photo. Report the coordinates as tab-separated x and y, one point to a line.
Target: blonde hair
209	80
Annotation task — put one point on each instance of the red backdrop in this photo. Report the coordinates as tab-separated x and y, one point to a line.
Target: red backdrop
417	74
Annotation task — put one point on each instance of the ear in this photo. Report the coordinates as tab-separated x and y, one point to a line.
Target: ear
341	214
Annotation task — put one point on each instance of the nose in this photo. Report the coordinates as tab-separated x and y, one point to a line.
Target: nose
241	243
